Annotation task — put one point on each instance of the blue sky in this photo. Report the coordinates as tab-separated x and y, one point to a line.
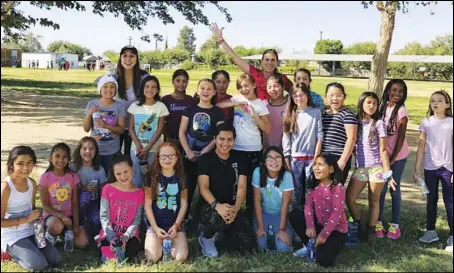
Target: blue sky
288	25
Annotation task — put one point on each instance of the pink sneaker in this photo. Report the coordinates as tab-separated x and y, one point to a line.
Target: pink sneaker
393	232
379	231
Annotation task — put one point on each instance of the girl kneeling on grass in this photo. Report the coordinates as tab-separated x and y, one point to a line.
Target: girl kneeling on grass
166	204
323	217
120	212
19	212
59	193
435	146
273	188
372	163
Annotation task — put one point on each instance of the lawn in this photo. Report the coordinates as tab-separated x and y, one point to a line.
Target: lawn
407	254
80	83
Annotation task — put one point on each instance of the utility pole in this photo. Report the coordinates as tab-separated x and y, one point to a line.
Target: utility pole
321	35
319	64
130	39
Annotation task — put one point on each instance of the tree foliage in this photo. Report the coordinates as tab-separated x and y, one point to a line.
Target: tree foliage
112	55
64	46
363	48
186	40
15	22
29	43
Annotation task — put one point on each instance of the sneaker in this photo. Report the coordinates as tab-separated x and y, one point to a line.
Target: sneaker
302	252
6	256
430	236
208	247
50	238
393	232
352	235
449	244
69	245
379	230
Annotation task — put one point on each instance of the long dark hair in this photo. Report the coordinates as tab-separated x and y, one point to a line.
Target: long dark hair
336	176
448	111
15	153
77	159
290	123
391	128
303	70
141	96
272	51
264	171
63	146
137	75
196	96
156	169
117	159
360	115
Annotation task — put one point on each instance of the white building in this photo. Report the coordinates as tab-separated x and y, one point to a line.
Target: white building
43	58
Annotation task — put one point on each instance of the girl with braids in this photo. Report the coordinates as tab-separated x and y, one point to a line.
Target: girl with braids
393	112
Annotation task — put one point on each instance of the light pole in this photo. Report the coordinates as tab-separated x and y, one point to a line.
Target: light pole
320	63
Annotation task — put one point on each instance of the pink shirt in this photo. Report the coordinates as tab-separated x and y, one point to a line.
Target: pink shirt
276	118
392	140
60	189
123	207
328	206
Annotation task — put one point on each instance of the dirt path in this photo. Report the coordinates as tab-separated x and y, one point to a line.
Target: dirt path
42	121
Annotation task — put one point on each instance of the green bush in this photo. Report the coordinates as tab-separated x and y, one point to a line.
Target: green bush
187	65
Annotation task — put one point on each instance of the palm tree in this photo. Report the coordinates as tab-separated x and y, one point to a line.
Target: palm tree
158	38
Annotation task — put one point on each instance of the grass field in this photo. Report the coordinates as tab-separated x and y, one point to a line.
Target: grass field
80	83
405	255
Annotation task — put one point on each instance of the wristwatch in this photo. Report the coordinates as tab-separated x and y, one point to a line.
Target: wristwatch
213	204
387	175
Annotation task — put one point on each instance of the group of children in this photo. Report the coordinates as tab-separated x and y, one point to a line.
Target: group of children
296	186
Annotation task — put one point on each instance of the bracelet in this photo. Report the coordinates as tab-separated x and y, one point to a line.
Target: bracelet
282	229
221	41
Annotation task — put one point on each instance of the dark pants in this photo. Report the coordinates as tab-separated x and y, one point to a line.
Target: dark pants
106	163
30	257
239	233
346	169
325	254
132	248
127	140
190	170
433	178
251	161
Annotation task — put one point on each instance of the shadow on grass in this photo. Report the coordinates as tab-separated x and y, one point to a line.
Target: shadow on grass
50	88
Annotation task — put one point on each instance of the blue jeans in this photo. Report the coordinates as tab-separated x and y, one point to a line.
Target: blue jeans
433	178
106	163
398	170
139	178
30	257
300	170
274	220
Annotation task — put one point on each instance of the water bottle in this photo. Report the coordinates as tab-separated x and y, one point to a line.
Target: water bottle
311	251
167	250
69	236
118	249
38	228
94	182
270	237
143	164
96	120
352	235
422	185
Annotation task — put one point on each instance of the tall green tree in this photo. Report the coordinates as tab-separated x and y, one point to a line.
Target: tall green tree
14	21
363	48
28	43
329	47
64	46
186	40
158	38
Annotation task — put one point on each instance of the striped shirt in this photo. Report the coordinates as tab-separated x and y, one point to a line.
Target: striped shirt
368	150
334	135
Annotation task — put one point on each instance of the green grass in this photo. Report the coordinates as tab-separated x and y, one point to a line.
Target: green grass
80	83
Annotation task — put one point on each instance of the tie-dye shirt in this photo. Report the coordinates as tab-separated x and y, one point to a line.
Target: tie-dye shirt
328	206
166	205
60	189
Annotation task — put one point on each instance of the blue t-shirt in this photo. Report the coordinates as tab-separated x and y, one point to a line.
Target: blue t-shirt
166	205
271	195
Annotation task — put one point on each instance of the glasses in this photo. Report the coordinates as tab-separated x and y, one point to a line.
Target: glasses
171	156
271	158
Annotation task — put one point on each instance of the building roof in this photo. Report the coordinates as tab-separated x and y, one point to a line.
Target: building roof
359	58
49	53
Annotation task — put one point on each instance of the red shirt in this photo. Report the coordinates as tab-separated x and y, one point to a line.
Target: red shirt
260	81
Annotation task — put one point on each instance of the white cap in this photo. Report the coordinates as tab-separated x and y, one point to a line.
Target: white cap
105	79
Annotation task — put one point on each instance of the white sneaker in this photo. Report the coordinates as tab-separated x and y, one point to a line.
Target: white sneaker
449	244
208	247
430	236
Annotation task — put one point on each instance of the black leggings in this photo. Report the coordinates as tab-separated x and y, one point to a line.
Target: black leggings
325	254
132	248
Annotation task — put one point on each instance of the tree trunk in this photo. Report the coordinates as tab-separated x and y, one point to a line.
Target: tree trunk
156	45
380	58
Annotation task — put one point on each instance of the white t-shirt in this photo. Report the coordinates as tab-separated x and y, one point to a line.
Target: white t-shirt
146	119
439	146
248	136
126	103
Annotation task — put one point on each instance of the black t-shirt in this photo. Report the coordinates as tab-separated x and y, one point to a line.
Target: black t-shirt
224	175
202	122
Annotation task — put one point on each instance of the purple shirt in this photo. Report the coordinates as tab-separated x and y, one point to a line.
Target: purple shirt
176	108
368	150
